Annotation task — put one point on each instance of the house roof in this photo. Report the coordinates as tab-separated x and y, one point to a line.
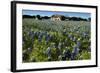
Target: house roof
56	15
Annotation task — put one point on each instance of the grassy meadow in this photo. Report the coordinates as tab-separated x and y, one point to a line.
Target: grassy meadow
46	40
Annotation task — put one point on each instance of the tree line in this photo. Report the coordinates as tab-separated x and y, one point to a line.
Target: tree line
63	18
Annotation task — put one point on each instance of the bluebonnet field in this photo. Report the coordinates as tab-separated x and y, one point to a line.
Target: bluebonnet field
46	40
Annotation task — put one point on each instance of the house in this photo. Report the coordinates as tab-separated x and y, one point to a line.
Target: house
56	17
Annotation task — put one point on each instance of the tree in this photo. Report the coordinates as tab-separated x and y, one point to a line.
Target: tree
63	18
45	17
34	17
89	19
39	17
27	16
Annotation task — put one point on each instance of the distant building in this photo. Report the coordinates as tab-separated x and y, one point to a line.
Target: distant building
56	17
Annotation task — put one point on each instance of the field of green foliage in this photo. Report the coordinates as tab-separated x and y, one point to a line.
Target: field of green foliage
46	40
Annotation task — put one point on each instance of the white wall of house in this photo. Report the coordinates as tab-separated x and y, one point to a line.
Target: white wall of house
56	19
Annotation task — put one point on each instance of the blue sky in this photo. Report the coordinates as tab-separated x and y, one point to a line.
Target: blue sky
49	13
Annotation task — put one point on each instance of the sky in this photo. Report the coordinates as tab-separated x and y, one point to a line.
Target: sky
50	13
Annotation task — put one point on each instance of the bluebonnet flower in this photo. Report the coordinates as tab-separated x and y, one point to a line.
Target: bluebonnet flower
76	50
72	56
48	52
85	35
32	36
37	33
47	38
40	35
39	38
78	42
69	36
66	53
67	50
30	33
